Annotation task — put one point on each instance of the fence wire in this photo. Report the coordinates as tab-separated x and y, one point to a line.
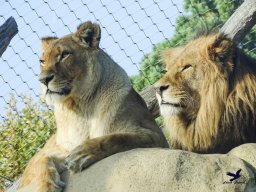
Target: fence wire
130	29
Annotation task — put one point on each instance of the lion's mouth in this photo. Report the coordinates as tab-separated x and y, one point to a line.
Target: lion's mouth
172	104
63	92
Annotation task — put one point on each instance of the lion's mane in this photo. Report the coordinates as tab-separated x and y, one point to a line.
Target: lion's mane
226	115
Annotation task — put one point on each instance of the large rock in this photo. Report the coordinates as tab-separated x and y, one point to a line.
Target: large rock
163	170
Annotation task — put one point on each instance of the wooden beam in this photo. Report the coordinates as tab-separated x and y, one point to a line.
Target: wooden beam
7	31
237	26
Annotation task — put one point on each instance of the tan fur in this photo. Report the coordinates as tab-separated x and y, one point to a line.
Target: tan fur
208	95
97	111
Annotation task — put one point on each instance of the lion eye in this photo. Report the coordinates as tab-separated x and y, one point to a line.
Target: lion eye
163	71
64	55
186	67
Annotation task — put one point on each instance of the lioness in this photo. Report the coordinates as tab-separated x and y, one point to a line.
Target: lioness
207	96
96	109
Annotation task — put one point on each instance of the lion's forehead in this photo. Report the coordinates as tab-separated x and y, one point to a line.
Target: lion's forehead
189	54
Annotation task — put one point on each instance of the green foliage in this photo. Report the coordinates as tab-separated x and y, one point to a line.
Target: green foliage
25	130
198	14
249	44
22	133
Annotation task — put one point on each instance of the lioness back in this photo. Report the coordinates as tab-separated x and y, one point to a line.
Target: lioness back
96	109
208	95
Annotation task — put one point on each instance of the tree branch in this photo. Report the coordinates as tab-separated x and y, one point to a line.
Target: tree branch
237	26
7	31
241	21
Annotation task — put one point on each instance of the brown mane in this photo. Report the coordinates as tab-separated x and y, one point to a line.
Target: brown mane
226	115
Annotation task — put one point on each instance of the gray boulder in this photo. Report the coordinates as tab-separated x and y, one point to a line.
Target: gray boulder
165	170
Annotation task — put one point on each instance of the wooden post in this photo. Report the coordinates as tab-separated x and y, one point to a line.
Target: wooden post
7	31
237	26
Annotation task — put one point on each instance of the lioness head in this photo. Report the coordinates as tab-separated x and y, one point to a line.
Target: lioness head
67	64
190	69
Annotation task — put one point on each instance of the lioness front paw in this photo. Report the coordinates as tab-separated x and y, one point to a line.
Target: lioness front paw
79	160
53	183
45	178
53	186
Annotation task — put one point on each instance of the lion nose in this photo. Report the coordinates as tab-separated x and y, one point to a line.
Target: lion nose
45	79
161	88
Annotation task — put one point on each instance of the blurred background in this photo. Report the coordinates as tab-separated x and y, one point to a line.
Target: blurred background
133	34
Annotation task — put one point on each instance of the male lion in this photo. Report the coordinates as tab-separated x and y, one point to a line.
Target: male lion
96	109
207	97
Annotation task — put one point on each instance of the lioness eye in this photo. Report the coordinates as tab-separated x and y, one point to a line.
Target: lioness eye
64	54
186	67
41	62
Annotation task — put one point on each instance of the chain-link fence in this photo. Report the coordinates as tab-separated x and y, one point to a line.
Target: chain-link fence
130	29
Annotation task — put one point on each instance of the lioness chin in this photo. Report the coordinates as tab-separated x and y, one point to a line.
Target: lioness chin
207	96
96	109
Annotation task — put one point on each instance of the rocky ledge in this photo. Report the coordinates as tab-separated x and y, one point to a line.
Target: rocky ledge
165	170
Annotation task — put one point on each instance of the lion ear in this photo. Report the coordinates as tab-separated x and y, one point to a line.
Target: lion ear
45	41
220	48
88	34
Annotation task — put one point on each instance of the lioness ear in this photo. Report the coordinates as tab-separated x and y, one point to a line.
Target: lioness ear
45	41
220	48
88	34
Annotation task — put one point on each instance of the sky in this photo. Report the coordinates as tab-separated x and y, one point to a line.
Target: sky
130	29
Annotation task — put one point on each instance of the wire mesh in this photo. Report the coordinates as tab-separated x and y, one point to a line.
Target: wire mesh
130	29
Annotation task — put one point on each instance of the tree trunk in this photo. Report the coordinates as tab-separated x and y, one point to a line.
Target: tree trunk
7	31
241	21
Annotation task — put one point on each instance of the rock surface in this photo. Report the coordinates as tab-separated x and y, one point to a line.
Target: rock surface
164	170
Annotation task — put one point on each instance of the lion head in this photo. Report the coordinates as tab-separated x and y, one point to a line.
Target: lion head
207	96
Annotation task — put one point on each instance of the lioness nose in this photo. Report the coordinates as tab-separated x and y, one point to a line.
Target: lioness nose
161	88
46	79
